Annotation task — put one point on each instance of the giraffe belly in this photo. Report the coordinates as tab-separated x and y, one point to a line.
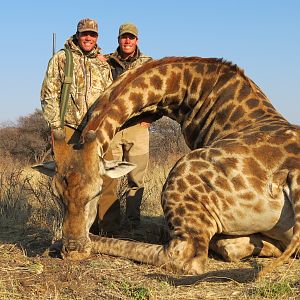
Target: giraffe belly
248	226
274	215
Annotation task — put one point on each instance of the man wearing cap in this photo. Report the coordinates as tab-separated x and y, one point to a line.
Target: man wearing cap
91	76
130	144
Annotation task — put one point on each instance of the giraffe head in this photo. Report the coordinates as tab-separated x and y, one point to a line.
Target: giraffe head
78	183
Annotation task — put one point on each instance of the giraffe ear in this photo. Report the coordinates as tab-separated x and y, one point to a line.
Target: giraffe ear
116	169
47	168
110	168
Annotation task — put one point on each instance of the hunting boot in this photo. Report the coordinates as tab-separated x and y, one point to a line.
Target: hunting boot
133	207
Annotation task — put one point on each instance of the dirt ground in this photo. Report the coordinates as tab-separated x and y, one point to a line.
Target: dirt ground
27	272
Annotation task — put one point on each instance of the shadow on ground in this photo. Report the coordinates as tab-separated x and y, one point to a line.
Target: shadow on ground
245	275
33	240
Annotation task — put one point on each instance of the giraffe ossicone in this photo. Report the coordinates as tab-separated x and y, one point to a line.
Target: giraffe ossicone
238	190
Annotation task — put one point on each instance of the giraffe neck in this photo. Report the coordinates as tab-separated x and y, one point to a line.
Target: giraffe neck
209	98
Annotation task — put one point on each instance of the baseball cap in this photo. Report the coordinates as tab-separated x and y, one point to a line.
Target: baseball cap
128	28
87	25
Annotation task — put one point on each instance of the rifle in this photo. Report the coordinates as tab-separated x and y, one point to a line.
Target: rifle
53	43
67	80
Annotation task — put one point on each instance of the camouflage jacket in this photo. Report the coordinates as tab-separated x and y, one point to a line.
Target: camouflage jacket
90	78
119	66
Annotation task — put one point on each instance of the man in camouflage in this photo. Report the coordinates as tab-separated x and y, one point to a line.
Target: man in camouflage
90	78
91	75
130	144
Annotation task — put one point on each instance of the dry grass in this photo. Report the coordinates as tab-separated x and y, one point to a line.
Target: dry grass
103	277
30	219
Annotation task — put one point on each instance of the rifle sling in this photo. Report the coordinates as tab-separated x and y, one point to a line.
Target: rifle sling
65	92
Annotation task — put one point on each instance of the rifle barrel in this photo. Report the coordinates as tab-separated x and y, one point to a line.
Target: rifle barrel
53	43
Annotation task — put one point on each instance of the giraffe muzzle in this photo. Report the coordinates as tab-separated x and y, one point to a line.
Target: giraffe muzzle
78	249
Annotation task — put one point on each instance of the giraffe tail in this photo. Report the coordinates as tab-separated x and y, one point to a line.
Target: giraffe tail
293	181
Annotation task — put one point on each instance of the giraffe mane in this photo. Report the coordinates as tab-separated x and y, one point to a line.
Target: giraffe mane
123	81
167	60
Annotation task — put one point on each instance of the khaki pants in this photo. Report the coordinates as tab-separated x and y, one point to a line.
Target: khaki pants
108	219
132	145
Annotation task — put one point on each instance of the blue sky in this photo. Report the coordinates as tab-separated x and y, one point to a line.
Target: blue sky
261	36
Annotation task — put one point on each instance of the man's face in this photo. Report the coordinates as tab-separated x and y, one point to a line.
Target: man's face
87	40
128	43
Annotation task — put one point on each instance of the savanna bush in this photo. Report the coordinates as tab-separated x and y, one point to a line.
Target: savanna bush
24	190
27	140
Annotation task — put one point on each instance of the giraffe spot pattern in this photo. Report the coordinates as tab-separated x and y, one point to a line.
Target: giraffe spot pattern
173	83
222	183
238	183
252	168
237	114
162	70
192	179
140	83
195	85
187	76
247	196
268	155
223	114
252	103
181	185
257	113
292	148
156	82
244	91
180	211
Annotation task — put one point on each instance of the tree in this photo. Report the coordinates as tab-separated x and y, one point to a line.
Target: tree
166	141
28	140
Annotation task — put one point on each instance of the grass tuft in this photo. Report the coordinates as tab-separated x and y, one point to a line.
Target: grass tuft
135	292
273	289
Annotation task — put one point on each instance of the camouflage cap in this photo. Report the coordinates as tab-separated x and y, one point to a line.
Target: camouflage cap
87	25
128	28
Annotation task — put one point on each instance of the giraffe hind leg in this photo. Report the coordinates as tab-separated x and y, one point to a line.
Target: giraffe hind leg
294	246
234	248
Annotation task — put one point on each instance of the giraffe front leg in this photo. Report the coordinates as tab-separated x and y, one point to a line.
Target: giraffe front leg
191	231
190	210
187	256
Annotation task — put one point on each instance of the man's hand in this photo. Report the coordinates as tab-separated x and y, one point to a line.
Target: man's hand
145	124
55	133
101	57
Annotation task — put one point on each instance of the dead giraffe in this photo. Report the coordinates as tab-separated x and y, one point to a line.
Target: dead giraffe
242	176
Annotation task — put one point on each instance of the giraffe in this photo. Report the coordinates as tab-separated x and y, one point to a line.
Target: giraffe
241	179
